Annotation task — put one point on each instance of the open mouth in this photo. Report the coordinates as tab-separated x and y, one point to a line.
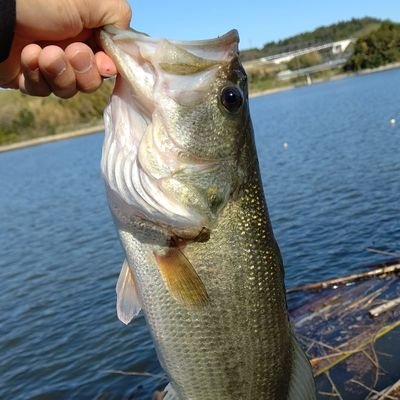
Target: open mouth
172	68
146	160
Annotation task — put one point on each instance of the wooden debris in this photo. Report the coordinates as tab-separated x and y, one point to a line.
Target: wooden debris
389	393
376	395
383	252
335	389
380	271
377	311
349	351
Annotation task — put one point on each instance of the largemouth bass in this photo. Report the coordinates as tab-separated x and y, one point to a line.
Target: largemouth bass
184	188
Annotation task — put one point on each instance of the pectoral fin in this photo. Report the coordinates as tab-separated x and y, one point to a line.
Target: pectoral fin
180	277
128	304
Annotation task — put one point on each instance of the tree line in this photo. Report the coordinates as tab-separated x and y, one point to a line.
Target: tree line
378	48
324	34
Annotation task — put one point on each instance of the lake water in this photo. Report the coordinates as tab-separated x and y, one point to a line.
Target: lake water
332	191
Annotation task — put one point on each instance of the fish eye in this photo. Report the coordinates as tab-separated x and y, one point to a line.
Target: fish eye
231	98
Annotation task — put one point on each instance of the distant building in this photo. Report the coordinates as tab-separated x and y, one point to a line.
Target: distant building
336	48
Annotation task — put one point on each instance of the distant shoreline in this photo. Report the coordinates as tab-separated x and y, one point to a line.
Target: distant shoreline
99	128
52	138
332	78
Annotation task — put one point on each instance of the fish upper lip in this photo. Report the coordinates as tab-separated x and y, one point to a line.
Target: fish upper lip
228	38
214	52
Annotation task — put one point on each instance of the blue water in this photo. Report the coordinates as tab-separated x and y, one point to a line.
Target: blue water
332	192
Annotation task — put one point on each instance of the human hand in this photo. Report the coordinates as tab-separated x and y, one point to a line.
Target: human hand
54	47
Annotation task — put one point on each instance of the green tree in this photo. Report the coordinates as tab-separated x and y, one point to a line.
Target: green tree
378	48
25	119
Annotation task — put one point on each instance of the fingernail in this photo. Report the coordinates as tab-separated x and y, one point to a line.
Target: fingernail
82	61
57	67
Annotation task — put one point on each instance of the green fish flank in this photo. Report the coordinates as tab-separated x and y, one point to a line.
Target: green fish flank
184	187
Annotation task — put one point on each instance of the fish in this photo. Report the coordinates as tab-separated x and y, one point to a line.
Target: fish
184	188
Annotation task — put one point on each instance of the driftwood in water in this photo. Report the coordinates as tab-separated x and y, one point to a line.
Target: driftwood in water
389	305
362	343
353	356
392	392
383	269
383	252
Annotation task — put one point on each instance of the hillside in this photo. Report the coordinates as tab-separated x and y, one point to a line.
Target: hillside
324	34
376	49
25	117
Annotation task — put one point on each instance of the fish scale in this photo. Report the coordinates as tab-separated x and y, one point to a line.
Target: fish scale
231	337
202	261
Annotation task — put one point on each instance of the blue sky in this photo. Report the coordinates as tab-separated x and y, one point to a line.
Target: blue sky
258	21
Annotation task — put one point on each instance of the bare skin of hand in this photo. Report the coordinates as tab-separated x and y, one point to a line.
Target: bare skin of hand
54	48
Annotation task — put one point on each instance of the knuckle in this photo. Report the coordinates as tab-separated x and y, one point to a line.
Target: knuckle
125	11
89	85
66	93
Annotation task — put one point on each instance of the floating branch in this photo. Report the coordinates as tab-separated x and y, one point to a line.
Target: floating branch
391	392
382	270
386	253
360	344
377	311
133	373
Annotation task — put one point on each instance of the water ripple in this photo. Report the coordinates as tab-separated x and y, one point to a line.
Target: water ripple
332	192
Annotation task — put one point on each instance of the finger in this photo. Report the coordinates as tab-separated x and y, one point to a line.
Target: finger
31	80
105	65
11	84
10	69
57	71
82	60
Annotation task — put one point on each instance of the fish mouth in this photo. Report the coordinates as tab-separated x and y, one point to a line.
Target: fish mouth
142	155
220	48
144	61
110	32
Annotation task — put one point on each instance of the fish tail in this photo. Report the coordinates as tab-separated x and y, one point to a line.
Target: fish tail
301	386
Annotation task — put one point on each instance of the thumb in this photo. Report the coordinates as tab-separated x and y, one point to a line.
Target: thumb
11	68
96	14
